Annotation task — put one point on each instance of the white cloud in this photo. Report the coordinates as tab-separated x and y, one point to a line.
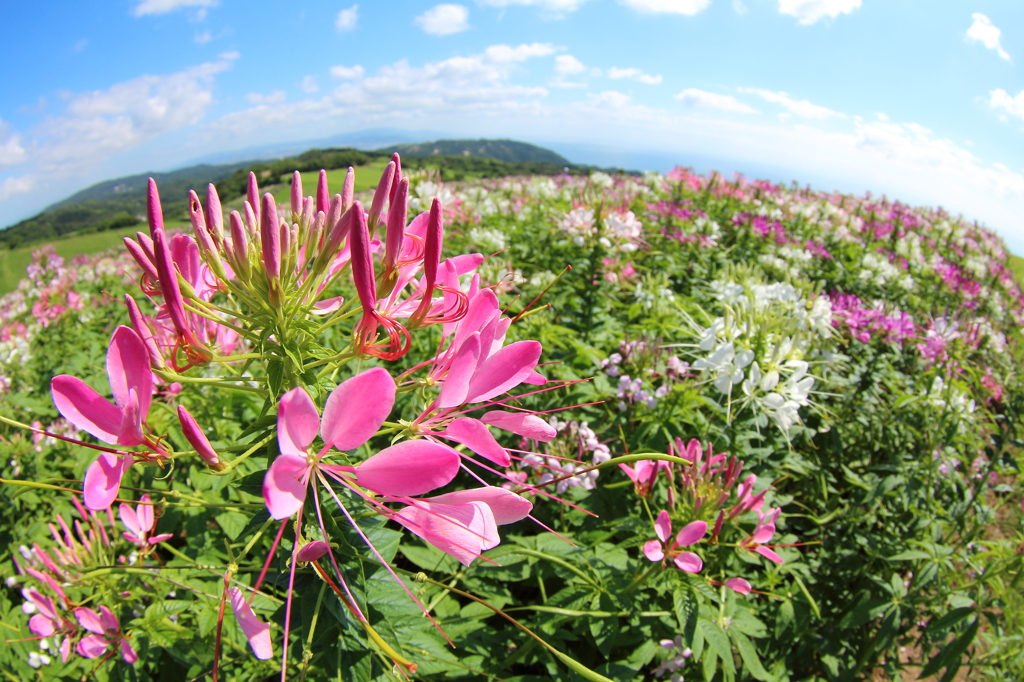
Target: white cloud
635	74
346	19
347	72
551	8
985	32
738	7
203	38
1013	106
164	6
567	65
610	99
16	185
11	151
274	97
692	97
812	11
687	7
444	20
801	108
229	56
309	84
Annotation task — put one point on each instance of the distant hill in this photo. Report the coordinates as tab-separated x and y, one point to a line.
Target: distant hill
122	202
508	151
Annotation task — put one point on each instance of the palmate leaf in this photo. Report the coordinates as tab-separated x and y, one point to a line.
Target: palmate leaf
949	657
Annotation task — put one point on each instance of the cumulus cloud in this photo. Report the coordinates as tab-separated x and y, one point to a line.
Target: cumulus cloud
347	72
273	98
811	11
551	8
987	33
567	65
701	99
11	151
635	74
309	84
687	7
610	99
801	108
203	38
164	6
16	185
444	20
346	19
1006	103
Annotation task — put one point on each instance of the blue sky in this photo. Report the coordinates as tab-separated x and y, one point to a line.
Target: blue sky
920	101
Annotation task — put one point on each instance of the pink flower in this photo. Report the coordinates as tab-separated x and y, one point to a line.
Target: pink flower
120	423
353	413
254	629
139	522
762	533
660	549
106	631
738	585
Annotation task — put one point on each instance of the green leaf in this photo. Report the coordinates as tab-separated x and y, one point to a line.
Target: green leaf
686	608
862	613
232	523
950	656
718	642
909	555
950	619
751	661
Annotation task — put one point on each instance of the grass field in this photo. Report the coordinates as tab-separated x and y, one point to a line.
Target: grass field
13	262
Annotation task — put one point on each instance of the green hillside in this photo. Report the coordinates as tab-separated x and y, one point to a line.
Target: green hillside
509	151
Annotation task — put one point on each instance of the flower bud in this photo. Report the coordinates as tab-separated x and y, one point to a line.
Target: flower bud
296	196
270	236
214	214
380	196
348	189
323	197
195	436
252	195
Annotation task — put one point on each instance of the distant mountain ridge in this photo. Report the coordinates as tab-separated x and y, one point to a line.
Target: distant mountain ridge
509	151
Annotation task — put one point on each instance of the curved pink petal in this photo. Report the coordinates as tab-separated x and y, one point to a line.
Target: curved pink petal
130	520
128	367
89	620
506	506
768	553
482	309
688	562
535	378
313	551
41	625
81	405
455	388
691	533
297	422
103	480
474	435
461	530
327	306
653	550
130	432
523	424
254	629
663	526
284	486
131	537
763	534
92	646
196	437
738	585
504	370
65	650
44	604
466	262
128	653
412	467
157	539
109	620
357	407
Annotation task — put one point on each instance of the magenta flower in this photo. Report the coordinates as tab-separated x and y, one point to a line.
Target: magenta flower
120	423
738	585
254	629
106	631
660	549
47	622
139	522
353	413
763	532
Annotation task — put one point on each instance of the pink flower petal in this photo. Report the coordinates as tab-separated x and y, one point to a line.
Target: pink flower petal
92	646
284	486
194	435
763	534
357	408
663	526
65	650
89	620
44	604
128	653
255	630
691	533
412	467
103	480
521	423
455	388
738	585
327	306
130	432
128	368
688	562
297	422
109	620
41	625
504	370
482	309
506	506
131	537
653	550
474	435
85	408
768	554
157	539
312	551
461	530
144	513
130	521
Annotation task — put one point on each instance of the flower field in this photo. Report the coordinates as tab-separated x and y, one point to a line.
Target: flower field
576	427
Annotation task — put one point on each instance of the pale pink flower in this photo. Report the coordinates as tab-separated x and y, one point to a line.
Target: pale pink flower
660	549
140	522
